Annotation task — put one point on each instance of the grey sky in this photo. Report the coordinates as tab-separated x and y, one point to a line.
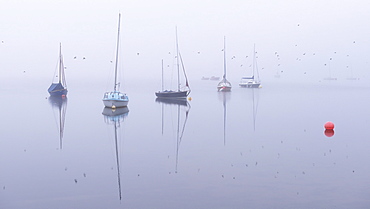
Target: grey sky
305	35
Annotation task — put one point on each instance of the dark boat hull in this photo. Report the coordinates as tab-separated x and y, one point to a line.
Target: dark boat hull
254	85
57	89
59	92
172	94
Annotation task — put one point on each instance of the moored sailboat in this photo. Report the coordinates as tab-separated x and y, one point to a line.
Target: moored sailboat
251	82
180	92
59	88
224	84
116	98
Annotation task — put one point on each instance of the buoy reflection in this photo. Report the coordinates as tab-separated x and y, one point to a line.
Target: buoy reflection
329	132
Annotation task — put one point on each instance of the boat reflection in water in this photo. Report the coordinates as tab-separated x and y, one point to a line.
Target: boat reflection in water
224	96
115	117
255	108
181	104
59	103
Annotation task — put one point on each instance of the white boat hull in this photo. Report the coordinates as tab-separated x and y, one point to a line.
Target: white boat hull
224	85
224	88
115	99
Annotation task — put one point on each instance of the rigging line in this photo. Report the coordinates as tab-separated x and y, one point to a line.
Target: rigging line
183	69
255	61
177	62
225	57
55	71
60	63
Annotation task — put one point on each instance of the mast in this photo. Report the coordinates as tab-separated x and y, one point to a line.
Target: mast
177	63
115	69
60	63
224	57
254	58
162	75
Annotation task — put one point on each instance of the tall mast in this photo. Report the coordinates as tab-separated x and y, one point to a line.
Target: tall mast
60	63
115	69
162	76
224	57
254	58
177	63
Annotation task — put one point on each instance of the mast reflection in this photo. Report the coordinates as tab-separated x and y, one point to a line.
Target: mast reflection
224	96
255	107
180	103
115	117
59	103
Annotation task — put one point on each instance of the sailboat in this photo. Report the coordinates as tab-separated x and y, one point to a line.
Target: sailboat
61	104
251	82
59	88
180	92
224	84
116	117
116	98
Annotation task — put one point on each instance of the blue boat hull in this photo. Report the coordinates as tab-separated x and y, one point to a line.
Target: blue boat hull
57	89
59	92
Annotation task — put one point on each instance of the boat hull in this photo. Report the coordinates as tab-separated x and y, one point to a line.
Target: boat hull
59	92
115	99
250	85
172	94
224	85
224	88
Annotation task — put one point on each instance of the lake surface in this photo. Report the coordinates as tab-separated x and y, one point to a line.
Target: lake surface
249	148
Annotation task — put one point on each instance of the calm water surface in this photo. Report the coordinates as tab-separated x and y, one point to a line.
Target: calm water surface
261	148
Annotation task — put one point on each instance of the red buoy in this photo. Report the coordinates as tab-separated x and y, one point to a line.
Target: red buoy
329	125
329	132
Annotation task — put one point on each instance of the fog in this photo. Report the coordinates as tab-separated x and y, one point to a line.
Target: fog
303	41
262	148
